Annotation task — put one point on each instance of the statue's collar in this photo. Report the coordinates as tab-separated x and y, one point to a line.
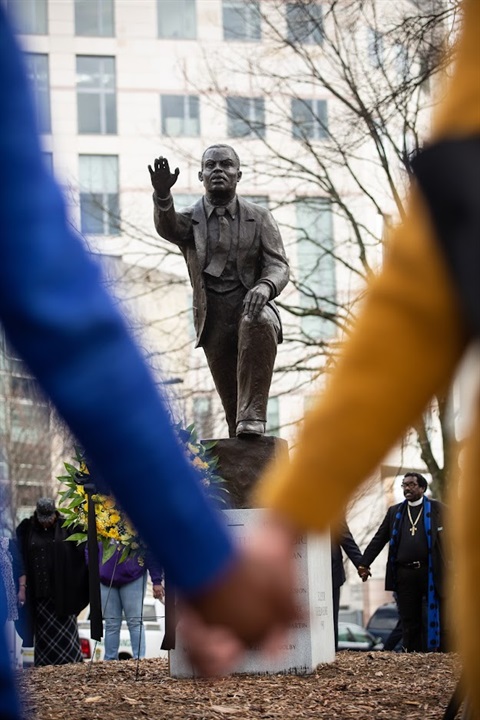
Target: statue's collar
232	207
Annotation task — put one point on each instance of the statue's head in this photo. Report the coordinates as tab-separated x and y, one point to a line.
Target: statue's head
220	172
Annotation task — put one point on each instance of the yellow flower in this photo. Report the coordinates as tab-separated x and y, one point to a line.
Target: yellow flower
113	533
200	464
114	518
194	450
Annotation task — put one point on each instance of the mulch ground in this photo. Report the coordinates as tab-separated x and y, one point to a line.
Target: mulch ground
365	686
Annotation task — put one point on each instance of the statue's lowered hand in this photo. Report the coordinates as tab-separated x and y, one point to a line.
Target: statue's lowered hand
161	177
256	299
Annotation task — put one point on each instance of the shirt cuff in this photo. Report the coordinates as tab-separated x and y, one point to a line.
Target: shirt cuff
273	289
163	203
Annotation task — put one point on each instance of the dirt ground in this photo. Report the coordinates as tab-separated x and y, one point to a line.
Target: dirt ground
365	686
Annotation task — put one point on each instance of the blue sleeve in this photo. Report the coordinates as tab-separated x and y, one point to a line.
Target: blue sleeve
61	320
154	569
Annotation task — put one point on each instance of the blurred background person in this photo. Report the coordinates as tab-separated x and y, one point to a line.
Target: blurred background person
57	585
13	582
341	540
123	586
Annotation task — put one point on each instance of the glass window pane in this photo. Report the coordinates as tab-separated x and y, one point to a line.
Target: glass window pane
321	125
99	200
184	200
309	119
316	265
245	117
110	114
180	115
203	417
258	116
107	18
88	107
113	217
305	23
177	19
91	214
241	20
258	200
236	117
94	18
96	96
29	17
273	416
37	70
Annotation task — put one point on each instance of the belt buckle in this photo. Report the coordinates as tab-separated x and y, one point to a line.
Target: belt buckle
416	564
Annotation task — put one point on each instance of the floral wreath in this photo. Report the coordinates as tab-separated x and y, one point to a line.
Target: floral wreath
114	529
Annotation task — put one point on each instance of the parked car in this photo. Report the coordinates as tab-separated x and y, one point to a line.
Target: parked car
154	622
383	621
356	637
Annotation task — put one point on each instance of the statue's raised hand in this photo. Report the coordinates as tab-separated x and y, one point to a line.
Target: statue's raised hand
161	177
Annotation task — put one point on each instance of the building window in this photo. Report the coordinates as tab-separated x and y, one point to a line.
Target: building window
305	23
258	200
316	267
96	97
29	17
309	119
37	69
99	203
203	417
241	20
273	417
246	117
185	200
180	115
177	19
94	18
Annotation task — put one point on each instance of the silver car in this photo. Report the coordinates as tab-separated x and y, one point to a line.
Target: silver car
355	637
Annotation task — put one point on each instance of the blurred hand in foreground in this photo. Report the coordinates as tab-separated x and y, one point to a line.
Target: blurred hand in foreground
252	604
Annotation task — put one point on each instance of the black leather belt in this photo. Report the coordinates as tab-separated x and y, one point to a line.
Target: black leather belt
416	564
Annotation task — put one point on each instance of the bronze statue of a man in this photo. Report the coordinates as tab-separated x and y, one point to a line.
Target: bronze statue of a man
237	266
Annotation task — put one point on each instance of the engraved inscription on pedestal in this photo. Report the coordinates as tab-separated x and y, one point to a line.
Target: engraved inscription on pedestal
310	641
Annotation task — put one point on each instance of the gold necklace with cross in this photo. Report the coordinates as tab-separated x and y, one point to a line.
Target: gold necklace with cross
413	525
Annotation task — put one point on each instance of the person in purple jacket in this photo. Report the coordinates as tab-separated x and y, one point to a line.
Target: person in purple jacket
122	587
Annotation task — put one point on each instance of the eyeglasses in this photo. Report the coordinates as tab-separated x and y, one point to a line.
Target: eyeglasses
409	484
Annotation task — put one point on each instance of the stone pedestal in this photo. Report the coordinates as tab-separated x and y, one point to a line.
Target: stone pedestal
310	641
242	460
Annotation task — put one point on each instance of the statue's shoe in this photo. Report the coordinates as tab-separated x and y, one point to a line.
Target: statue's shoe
250	427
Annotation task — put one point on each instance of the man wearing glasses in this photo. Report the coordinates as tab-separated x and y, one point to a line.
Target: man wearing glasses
415	566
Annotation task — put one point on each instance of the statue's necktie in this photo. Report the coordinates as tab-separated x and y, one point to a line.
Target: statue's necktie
219	258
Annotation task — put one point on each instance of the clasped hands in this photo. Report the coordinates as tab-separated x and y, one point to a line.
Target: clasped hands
364	572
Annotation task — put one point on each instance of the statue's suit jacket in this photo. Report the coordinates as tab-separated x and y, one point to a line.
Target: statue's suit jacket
260	252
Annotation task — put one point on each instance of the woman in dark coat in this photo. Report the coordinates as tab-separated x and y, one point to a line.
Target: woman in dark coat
57	585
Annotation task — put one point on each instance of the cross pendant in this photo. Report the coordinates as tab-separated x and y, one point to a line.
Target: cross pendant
413	530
